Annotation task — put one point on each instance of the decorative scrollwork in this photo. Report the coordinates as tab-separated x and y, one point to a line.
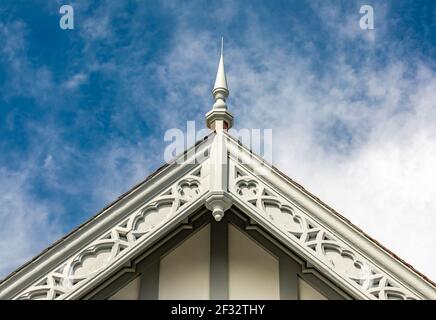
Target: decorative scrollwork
247	188
331	251
189	189
103	251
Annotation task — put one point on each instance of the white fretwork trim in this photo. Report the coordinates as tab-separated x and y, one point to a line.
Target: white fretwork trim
118	241
316	241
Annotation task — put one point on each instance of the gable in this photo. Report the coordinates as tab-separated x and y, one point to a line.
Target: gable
228	180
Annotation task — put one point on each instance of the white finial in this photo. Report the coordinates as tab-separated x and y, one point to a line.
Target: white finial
220	92
221	80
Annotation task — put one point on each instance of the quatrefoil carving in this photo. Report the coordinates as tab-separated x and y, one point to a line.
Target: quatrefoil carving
151	216
247	188
189	189
92	260
283	215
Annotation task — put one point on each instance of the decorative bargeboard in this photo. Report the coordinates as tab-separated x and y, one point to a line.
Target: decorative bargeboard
313	238
113	243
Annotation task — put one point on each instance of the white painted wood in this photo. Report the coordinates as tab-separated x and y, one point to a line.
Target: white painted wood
218	200
219	118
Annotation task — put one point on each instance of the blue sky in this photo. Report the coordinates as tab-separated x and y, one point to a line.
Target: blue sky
83	112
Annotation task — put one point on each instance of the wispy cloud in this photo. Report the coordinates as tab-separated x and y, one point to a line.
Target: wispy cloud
76	80
26	226
24	78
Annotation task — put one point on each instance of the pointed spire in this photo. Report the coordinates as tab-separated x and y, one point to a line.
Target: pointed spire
221	80
219	117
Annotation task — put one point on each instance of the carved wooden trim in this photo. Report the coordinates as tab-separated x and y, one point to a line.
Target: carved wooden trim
99	254
315	240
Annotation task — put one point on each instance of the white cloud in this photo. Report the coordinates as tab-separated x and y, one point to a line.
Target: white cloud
48	161
24	77
26	226
76	80
120	167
